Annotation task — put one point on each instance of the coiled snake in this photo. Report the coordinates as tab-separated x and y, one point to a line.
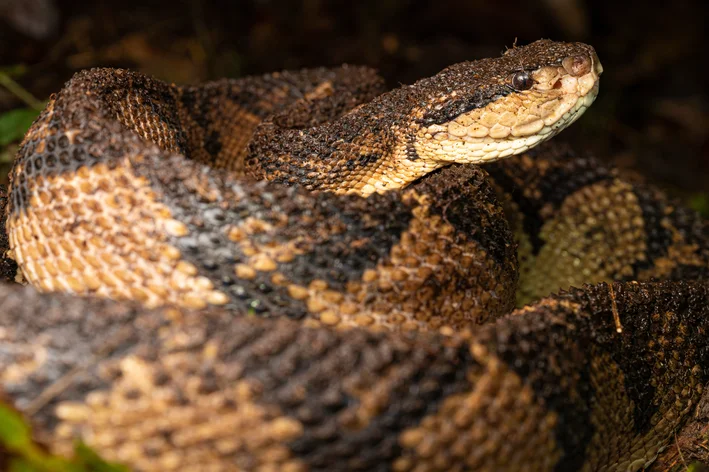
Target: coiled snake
364	326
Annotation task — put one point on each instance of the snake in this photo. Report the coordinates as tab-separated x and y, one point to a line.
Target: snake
307	271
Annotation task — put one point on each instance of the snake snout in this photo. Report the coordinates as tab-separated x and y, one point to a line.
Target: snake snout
581	64
578	65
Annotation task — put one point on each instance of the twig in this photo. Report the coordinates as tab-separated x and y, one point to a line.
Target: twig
20	92
614	309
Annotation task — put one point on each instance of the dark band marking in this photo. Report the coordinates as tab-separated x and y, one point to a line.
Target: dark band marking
213	144
369	228
658	236
659	226
464	199
534	189
690	272
455	108
421	378
557	367
154	97
411	153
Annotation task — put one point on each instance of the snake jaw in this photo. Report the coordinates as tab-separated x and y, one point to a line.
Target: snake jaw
513	123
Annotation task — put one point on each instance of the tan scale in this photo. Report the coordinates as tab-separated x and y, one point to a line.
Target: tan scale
460	431
570	257
427	250
393	173
115	245
130	419
678	253
139	115
238	126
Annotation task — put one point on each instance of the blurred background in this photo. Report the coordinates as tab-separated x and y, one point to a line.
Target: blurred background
651	118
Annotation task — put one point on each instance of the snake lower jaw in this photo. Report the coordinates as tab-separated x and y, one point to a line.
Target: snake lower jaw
513	124
436	153
450	149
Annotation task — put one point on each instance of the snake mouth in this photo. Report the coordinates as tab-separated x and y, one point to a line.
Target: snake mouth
536	106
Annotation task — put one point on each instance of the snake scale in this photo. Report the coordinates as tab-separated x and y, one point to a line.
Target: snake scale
303	271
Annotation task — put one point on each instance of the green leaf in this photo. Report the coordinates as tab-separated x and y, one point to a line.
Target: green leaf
14	433
697	467
93	462
15	123
700	202
16	437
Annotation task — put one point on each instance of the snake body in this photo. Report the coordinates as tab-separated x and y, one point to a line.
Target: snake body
208	339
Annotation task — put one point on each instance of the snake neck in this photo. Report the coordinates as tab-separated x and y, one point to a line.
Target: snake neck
368	150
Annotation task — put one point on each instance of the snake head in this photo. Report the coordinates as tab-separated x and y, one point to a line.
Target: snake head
485	110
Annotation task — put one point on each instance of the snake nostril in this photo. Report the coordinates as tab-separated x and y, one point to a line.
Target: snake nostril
577	65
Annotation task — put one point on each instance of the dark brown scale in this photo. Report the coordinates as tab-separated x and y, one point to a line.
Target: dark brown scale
453	204
684	224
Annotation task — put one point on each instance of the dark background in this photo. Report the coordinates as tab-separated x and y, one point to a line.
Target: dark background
651	117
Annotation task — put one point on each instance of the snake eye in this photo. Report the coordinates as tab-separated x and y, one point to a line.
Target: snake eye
522	81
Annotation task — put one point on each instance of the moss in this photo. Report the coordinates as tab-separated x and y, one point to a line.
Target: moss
24	455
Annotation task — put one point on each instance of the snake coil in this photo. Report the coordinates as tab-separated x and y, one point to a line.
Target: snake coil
303	271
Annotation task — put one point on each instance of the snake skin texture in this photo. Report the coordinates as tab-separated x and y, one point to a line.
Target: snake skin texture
551	387
222	316
579	221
